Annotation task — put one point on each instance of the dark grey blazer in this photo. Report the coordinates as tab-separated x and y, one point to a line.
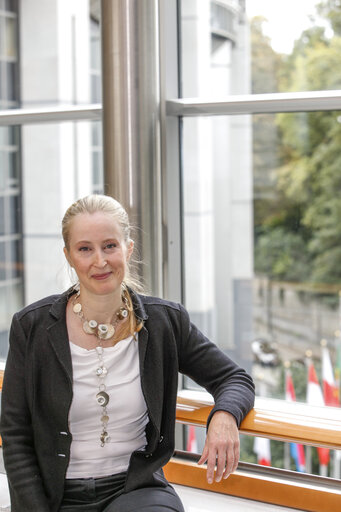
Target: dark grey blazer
37	394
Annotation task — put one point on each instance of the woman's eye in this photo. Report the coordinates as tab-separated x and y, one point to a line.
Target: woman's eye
112	245
84	249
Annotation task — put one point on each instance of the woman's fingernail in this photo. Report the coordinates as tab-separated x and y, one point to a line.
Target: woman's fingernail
209	480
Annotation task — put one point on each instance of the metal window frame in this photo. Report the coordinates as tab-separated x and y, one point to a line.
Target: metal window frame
256	104
308	101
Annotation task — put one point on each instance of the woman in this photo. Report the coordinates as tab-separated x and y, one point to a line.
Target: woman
89	392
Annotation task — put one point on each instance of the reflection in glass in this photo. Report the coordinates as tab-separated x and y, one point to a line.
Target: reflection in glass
14	214
257	52
10	38
2	216
262	232
2	261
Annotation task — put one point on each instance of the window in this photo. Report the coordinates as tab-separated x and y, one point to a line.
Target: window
44	167
260	216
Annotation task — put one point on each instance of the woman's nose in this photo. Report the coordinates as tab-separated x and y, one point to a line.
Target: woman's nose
100	260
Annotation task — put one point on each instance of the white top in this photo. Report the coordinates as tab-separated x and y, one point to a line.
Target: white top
126	409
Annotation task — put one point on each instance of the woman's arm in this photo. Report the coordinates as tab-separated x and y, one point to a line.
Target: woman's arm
233	392
25	484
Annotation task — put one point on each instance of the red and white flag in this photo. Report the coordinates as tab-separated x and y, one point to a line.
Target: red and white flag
330	390
315	397
192	445
261	447
296	450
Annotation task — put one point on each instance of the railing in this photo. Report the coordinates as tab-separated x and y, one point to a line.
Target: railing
275	419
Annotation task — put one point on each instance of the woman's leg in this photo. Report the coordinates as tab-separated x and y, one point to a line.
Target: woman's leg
148	499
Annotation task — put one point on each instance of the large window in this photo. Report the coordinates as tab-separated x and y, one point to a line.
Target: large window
260	207
259	231
46	62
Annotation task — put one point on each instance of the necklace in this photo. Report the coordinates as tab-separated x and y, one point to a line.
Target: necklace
102	332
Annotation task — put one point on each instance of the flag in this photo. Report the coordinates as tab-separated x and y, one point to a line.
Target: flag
296	450
330	391
315	397
192	445
261	447
338	369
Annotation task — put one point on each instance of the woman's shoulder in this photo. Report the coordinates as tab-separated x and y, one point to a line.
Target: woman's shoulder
157	308
40	305
150	301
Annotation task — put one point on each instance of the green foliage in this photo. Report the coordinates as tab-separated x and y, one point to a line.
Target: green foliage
281	255
298	184
331	10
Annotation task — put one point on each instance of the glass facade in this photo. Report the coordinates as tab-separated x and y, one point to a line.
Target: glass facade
259	214
96	97
11	235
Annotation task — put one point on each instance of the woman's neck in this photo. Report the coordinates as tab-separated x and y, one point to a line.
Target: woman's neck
100	307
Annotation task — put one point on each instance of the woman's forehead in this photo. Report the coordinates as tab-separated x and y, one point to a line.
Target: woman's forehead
95	225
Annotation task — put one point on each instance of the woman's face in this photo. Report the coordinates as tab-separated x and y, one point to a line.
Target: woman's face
98	253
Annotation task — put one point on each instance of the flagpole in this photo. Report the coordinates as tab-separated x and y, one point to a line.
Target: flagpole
287	460
308	452
337	453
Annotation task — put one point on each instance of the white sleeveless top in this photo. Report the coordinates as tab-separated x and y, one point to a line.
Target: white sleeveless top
126	409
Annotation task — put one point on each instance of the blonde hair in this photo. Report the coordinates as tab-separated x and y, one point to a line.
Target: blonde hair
100	203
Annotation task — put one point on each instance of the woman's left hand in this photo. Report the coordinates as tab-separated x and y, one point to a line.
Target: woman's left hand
221	446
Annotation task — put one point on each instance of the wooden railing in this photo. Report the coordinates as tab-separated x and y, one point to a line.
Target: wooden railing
275	419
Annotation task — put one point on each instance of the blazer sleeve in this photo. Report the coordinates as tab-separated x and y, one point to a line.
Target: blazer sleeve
200	359
25	483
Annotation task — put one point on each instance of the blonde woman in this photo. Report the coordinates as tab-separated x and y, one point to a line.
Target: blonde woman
90	386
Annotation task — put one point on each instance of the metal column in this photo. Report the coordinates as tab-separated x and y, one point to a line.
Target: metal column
131	123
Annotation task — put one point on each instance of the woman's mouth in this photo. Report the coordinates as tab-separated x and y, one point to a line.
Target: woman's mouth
100	277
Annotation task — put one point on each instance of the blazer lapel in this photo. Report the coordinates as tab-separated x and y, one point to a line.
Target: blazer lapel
58	335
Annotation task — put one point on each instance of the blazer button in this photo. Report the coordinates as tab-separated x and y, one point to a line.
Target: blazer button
148	455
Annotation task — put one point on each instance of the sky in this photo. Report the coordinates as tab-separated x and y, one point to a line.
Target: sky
287	19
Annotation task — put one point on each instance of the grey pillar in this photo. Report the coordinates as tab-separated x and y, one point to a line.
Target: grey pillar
131	123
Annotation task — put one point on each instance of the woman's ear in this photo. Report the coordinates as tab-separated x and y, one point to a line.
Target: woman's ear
130	248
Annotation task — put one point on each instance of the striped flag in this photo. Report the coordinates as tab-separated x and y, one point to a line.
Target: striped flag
296	450
315	397
330	391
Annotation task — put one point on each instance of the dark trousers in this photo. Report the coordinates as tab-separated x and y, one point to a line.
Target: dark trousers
106	495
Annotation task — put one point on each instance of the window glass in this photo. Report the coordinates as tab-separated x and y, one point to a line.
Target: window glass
258	46
2	216
262	230
14	214
10	38
44	167
15	270
2	260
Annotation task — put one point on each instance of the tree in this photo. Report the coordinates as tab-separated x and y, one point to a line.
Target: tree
303	215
